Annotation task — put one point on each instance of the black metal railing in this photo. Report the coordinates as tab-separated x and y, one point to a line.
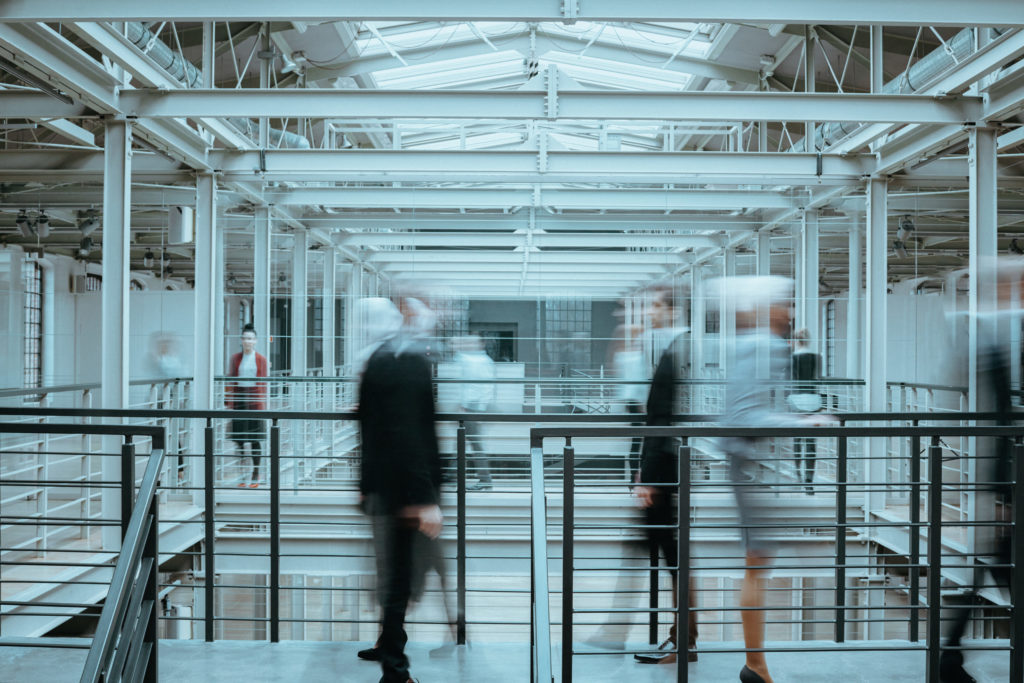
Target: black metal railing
840	562
540	610
124	645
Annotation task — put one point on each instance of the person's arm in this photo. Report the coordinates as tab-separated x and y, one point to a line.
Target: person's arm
229	387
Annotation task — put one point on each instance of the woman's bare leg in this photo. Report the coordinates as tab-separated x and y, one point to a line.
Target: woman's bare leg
752	595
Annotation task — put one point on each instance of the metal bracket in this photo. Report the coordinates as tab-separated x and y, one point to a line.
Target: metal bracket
571	11
551	99
542	151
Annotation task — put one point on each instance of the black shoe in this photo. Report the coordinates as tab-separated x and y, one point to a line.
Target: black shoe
748	675
480	486
370	654
951	668
666	658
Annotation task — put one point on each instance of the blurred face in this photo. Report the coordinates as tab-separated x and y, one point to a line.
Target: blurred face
248	342
780	319
659	312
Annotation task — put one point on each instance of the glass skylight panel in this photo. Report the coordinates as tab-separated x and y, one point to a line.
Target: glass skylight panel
452	73
617	74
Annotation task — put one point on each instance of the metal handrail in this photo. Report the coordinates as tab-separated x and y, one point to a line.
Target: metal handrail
540	611
61	388
933	523
126	633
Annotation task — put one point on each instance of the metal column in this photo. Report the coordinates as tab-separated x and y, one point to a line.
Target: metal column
206	290
875	327
877	60
298	305
764	253
114	340
727	313
261	273
809	84
854	368
698	320
330	265
809	275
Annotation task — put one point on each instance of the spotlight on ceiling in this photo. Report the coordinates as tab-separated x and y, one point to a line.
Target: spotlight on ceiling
43	224
88	221
85	247
147	259
1015	247
169	270
906	229
24	225
899	248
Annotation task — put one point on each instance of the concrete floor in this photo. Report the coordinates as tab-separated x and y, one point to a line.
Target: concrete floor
315	662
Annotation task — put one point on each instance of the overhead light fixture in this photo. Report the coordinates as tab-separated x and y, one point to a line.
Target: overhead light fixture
905	229
1015	247
147	259
85	247
43	224
24	225
169	271
88	221
899	248
295	63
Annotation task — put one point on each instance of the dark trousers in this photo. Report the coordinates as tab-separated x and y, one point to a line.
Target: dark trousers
393	662
636	443
475	455
663	542
806	450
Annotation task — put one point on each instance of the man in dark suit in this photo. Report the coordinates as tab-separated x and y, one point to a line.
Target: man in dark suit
659	473
400	481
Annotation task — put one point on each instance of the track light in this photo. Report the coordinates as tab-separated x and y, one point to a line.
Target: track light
85	247
899	248
1015	247
24	225
169	270
88	221
43	224
147	259
296	63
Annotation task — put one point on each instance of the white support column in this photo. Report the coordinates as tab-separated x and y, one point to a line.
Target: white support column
114	339
854	343
981	297
982	241
727	314
298	304
698	320
764	253
799	265
220	319
809	275
353	293
809	84
329	296
875	327
205	293
261	273
877	60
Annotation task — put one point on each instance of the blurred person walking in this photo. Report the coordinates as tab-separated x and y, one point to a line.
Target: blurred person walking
400	475
658	478
476	369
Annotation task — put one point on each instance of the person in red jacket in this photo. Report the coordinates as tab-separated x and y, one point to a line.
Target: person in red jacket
247	394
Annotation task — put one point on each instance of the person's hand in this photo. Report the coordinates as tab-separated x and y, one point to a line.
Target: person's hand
427	517
644	496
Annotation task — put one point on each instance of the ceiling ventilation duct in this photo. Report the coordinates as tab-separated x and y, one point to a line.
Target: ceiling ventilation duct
913	79
143	38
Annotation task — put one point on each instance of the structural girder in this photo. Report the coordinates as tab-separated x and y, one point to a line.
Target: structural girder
885	12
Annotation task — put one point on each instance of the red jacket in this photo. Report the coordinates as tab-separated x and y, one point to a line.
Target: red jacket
257	394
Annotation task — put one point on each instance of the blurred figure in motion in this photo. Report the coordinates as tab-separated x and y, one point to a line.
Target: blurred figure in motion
658	477
476	369
165	359
761	356
630	367
401	473
806	367
994	456
248	394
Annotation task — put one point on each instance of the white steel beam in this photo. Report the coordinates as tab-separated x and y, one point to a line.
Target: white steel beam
373	222
115	343
205	291
834	12
261	272
854	343
983	241
542	259
579	240
808	273
521	104
329	297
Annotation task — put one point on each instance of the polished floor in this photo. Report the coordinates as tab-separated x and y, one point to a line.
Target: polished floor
257	662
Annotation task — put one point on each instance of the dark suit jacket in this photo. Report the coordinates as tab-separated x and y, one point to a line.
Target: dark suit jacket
401	464
659	457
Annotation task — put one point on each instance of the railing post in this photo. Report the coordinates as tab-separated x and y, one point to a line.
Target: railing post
1017	581
208	531
652	602
934	560
275	531
915	536
841	488
151	550
127	482
568	514
460	554
683	562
